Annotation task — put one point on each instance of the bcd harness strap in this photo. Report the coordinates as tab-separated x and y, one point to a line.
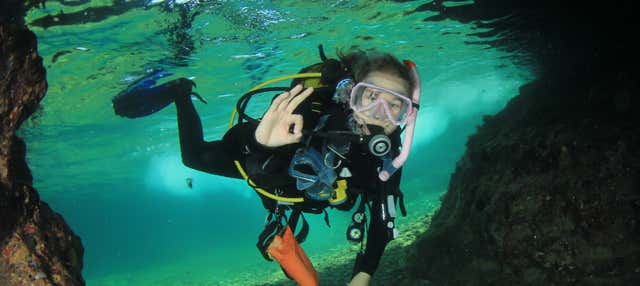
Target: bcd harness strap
277	222
330	71
388	200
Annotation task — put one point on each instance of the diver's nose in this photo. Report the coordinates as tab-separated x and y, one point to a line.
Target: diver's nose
379	112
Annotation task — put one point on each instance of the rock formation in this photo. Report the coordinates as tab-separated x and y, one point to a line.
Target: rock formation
37	247
548	190
547	193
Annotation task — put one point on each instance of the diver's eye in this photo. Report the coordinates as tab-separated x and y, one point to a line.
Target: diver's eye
371	95
395	106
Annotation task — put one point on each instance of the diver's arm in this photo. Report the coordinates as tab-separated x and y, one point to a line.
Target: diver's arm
242	141
218	157
378	236
361	279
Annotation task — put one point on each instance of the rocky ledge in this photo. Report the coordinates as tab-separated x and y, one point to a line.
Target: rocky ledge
37	247
548	190
547	193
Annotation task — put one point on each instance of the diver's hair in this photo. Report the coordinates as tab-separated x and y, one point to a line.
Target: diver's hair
360	63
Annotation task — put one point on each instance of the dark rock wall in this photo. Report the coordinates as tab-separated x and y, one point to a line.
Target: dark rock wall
37	247
548	191
546	194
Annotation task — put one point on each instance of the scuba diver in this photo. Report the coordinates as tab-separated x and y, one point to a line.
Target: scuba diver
337	137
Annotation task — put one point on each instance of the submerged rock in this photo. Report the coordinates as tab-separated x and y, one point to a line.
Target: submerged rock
547	193
37	247
548	190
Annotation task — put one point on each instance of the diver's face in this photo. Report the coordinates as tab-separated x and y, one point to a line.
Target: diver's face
377	116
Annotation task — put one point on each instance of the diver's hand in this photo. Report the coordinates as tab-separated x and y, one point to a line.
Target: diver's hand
273	130
361	279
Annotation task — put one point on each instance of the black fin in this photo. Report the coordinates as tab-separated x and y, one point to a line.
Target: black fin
141	101
323	57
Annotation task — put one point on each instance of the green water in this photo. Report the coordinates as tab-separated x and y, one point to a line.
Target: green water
120	183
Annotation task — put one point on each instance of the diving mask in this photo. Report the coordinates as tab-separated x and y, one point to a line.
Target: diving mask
380	103
313	176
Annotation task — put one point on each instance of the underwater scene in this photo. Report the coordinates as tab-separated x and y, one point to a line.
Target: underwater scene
143	216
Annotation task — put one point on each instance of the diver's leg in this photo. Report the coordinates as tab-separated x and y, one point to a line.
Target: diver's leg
214	157
189	128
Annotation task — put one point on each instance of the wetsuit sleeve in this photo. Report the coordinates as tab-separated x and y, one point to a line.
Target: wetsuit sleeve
215	157
378	236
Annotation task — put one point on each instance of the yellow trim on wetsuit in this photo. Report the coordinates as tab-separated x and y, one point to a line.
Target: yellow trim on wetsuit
286	77
262	191
340	193
339	198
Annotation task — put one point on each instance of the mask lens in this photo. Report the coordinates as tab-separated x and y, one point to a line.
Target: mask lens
392	105
304	169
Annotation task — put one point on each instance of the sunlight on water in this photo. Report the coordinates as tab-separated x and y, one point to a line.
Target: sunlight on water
168	175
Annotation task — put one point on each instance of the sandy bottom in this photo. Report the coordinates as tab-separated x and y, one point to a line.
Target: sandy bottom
334	265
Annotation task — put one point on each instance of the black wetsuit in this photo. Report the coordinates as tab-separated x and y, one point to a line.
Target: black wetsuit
217	157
